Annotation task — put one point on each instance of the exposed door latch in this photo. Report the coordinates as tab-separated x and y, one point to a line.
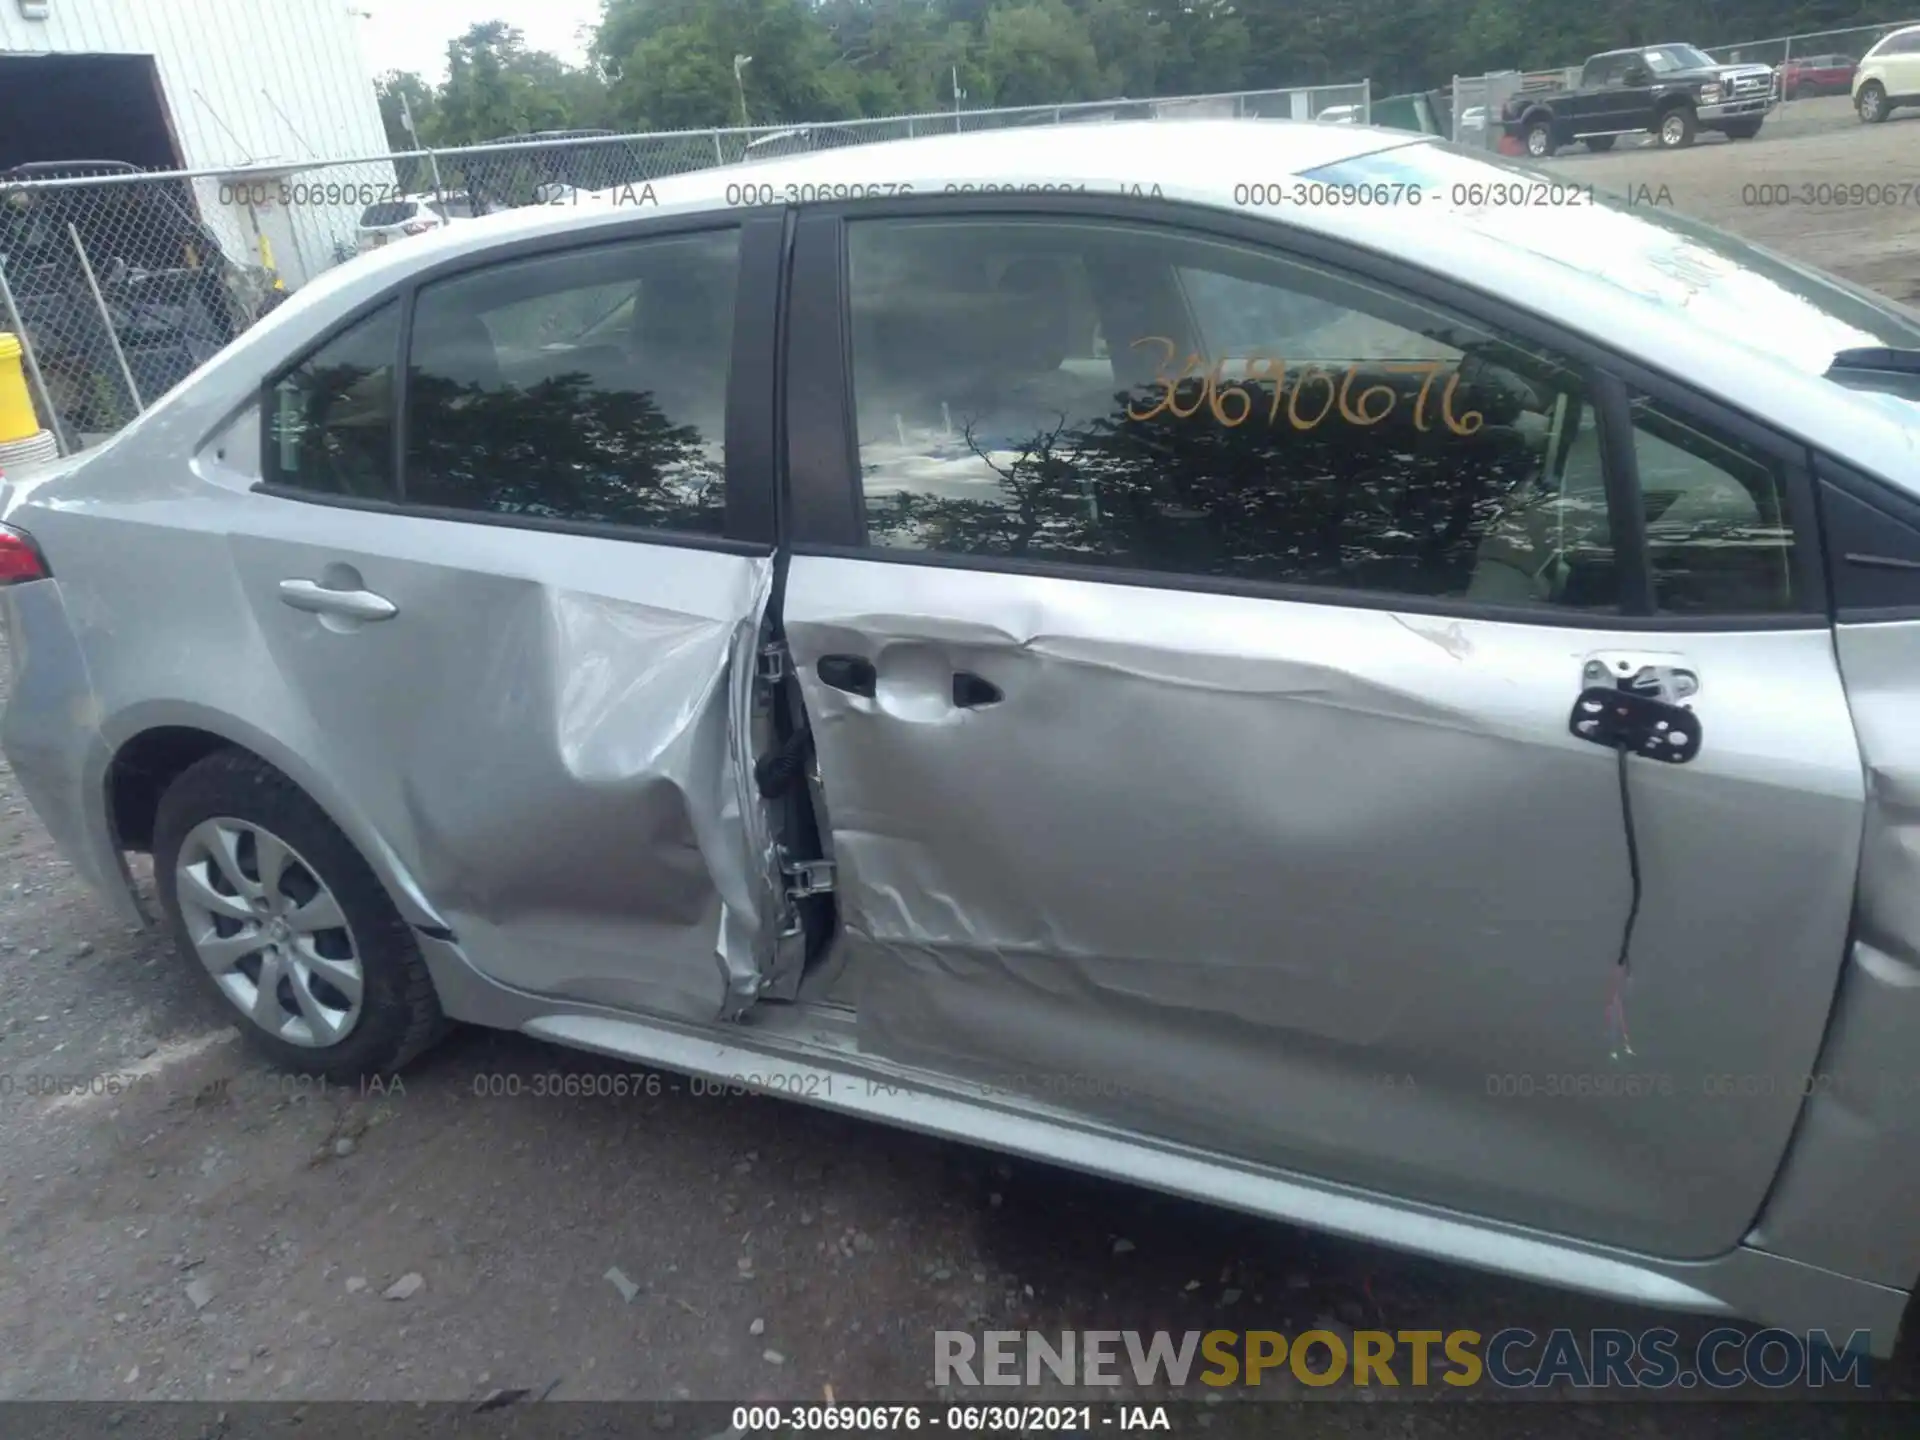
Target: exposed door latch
807	878
773	665
1657	676
1625	720
1636	702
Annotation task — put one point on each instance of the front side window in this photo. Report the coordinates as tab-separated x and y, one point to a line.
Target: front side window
1666	59
1130	397
330	418
587	386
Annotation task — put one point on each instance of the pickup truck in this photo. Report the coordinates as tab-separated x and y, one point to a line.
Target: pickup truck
1669	91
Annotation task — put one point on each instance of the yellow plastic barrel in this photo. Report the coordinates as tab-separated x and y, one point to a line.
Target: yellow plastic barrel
17	420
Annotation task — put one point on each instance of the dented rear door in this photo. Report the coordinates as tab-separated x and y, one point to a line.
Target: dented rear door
1300	874
532	667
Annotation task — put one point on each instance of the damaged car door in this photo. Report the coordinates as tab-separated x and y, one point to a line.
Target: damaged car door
1192	657
517	597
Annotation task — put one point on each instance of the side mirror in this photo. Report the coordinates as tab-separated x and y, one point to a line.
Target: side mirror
1638	75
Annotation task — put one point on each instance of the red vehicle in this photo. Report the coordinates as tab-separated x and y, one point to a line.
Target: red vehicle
1817	75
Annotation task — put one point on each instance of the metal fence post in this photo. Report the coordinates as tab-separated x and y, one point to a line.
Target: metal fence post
106	319
719	155
1366	101
54	422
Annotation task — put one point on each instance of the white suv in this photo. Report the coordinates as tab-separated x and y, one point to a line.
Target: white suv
1889	75
389	220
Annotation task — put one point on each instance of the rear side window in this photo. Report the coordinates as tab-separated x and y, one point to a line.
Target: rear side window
588	386
330	418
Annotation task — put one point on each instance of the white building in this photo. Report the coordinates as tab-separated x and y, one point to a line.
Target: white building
247	93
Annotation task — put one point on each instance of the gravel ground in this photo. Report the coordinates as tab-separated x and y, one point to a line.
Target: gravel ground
1780	189
219	1234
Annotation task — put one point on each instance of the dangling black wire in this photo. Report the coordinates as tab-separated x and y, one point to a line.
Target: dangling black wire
1618	1038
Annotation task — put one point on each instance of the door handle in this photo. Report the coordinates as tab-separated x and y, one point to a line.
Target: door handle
851	673
971	691
316	599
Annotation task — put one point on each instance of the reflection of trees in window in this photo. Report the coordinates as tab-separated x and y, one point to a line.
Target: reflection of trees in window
342	430
1386	508
560	448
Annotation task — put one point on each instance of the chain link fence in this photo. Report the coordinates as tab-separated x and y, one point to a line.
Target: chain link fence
1478	101
120	282
1806	66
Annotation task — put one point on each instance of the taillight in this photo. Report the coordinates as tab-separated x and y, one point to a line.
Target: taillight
20	558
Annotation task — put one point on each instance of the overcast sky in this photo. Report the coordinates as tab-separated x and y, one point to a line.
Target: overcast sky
413	34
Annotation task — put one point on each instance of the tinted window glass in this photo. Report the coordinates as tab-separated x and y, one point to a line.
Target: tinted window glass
331	419
1128	397
586	386
1718	539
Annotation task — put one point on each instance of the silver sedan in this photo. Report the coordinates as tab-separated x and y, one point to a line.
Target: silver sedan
1293	664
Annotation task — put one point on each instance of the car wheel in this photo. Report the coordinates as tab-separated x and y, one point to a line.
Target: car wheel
1676	128
285	919
1539	139
1871	103
1742	131
1601	143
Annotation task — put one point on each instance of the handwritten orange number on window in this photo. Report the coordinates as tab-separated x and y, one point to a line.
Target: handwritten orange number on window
1161	378
1217	395
1270	369
1458	425
1432	369
1356	414
1194	369
1312	372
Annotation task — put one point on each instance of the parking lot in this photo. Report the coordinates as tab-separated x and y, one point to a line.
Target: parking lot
203	1230
1793	188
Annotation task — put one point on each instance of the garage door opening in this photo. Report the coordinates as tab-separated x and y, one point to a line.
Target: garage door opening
121	287
84	107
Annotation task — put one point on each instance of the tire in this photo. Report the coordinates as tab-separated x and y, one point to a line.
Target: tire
1871	103
1600	144
1538	138
1675	128
396	1015
1743	130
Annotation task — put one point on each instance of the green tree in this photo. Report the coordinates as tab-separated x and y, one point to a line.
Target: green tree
497	87
1038	52
420	98
671	63
668	64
